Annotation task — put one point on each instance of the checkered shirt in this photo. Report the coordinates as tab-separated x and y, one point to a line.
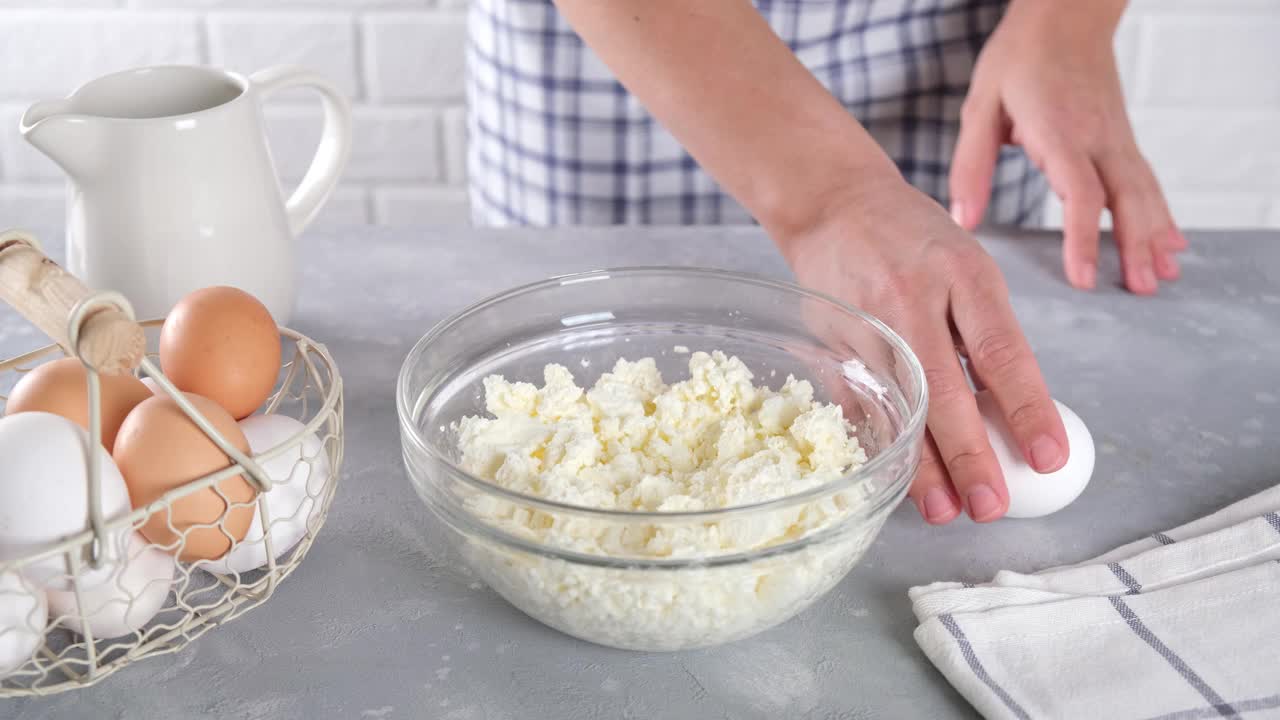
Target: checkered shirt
555	139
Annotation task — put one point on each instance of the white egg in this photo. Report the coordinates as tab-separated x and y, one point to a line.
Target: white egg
22	622
44	496
1032	494
126	602
300	474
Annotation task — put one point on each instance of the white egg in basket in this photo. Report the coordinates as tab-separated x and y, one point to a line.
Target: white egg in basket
44	497
299	474
22	621
124	603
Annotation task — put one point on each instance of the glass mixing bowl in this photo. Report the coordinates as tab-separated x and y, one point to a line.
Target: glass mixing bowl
775	558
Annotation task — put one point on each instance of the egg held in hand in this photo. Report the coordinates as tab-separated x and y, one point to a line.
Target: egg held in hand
160	449
1032	494
61	387
22	622
126	602
221	343
44	497
299	474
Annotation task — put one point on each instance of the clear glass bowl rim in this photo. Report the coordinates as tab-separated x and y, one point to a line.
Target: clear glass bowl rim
405	404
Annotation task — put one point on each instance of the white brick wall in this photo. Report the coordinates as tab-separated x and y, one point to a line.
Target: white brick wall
415	56
324	42
1202	78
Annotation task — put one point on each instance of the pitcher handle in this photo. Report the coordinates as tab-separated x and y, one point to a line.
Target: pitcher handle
335	141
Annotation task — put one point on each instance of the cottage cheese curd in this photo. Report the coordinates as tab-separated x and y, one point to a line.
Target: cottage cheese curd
634	443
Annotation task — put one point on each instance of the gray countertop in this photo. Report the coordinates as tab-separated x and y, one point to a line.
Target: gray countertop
1180	392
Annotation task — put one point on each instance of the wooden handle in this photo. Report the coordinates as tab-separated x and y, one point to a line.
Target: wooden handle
44	293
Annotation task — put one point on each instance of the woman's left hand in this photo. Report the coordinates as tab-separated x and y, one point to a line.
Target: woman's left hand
1047	80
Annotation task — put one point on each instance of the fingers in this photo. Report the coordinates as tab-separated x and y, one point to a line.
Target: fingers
932	492
1145	231
958	430
975	375
1001	356
1175	240
931	489
974	161
1166	264
1074	180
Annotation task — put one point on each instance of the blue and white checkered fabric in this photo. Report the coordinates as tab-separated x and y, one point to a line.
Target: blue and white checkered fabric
1180	625
555	139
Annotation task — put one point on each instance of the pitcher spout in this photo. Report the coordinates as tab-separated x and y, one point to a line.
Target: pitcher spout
68	139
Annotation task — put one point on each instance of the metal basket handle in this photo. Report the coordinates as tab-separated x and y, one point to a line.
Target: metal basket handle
40	290
100	330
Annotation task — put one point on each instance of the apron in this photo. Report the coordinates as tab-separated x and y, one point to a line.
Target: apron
555	139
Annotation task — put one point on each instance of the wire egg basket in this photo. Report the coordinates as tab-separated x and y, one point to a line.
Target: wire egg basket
114	597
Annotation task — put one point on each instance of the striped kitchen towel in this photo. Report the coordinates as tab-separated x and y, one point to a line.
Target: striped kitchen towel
1180	625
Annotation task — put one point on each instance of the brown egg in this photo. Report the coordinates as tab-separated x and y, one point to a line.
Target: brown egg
222	343
158	449
61	387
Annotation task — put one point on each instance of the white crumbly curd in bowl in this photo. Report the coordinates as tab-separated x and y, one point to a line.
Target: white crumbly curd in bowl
634	443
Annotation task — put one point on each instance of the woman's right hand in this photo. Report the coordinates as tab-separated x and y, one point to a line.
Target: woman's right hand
897	254
717	76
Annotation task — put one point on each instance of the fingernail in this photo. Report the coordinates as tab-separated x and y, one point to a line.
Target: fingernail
1046	454
1088	276
957	212
938	507
984	504
1169	267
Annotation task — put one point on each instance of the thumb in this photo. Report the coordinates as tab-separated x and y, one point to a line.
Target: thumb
974	162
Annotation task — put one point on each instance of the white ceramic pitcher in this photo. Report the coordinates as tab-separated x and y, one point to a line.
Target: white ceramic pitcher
171	184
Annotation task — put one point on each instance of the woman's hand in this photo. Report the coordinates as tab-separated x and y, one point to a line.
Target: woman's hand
1047	80
736	97
894	252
